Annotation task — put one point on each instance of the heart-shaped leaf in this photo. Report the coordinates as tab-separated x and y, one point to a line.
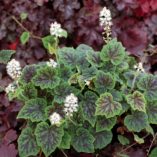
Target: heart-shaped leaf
102	139
46	78
104	81
94	59
5	55
104	123
148	84
81	54
137	101
48	137
68	56
62	90
34	110
66	141
27	144
152	112
136	122
106	106
29	92
28	72
88	107
65	72
114	52
82	141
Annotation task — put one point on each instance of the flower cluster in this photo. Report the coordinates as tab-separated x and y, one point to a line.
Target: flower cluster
70	105
52	63
56	30
55	118
14	69
139	67
105	17
11	88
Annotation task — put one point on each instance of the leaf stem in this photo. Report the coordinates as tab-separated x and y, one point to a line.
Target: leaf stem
64	153
72	121
24	28
123	150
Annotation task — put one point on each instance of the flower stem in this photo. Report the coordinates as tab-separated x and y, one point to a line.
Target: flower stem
24	28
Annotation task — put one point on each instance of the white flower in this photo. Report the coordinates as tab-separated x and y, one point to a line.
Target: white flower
56	30
11	88
139	67
105	17
70	104
52	63
14	69
55	118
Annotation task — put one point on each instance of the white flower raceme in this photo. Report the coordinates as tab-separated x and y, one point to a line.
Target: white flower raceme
11	88
70	104
52	63
14	69
139	67
105	17
56	30
55	118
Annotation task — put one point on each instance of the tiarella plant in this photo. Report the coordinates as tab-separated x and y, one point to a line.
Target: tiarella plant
75	99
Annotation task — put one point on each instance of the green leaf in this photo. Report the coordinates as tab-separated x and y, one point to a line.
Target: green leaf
104	81
48	40
34	110
152	112
153	153
102	139
28	72
81	53
66	141
123	140
65	72
148	84
23	15
122	67
1	89
106	106
5	55
29	92
64	33
88	107
48	137
46	78
117	95
136	122
150	130
89	73
125	108
24	37
94	59
62	90
114	52
105	123
82	141
108	67
137	101
27	144
138	139
67	56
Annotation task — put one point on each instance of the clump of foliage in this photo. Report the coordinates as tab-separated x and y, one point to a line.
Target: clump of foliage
107	86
